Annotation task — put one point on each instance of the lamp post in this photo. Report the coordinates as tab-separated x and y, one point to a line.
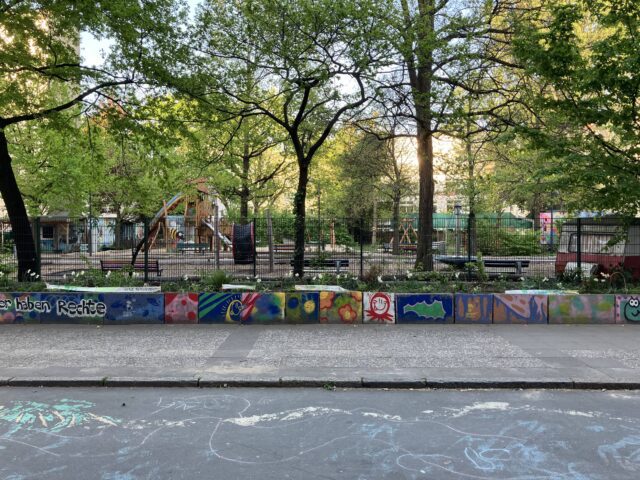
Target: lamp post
457	210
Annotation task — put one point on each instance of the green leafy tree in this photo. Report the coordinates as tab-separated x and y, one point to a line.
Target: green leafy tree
42	75
585	55
316	61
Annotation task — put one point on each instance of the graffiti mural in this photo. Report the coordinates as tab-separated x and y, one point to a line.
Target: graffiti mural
340	307
20	307
125	308
302	307
520	309
424	308
628	309
597	309
72	308
181	308
241	308
379	307
474	308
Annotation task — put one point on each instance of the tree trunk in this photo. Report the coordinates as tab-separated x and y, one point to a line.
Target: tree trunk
374	232
424	258
396	224
244	191
299	204
22	234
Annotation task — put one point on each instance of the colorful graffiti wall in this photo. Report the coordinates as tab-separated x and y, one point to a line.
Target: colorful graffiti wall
598	309
181	308
303	307
243	308
340	307
424	308
523	309
628	309
474	308
379	307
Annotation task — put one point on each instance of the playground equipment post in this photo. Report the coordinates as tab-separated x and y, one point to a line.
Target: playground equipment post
146	250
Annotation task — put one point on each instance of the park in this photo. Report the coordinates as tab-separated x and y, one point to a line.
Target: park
368	239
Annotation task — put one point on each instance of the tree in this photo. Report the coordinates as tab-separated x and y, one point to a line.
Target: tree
585	54
41	74
445	47
315	61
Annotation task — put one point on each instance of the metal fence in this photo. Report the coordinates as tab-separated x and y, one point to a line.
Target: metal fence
484	245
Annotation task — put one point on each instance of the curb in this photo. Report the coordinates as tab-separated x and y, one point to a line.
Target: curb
329	384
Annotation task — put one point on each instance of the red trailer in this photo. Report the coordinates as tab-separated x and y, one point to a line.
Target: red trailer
606	244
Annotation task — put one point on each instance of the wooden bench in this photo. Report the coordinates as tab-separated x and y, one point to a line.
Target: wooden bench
337	264
184	246
284	247
518	265
115	265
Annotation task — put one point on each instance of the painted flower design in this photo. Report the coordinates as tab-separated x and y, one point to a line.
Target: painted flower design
347	314
326	300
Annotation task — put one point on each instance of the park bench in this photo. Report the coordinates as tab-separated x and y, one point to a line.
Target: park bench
153	266
185	246
283	247
461	261
336	264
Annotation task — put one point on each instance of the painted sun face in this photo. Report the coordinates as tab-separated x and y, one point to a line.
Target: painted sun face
632	310
379	304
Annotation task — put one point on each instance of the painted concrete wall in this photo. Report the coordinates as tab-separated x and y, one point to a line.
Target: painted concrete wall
316	307
521	309
474	308
628	309
592	309
424	308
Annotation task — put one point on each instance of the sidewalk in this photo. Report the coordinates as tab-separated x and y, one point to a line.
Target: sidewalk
400	356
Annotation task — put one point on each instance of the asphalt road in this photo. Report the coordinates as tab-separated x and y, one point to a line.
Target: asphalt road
125	434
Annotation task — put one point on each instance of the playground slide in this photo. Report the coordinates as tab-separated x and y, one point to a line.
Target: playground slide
224	239
171	204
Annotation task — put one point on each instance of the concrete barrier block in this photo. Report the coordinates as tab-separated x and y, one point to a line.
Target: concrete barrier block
302	307
180	308
241	308
131	308
474	308
340	307
18	307
521	309
263	308
379	307
219	307
85	308
596	309
628	309
424	308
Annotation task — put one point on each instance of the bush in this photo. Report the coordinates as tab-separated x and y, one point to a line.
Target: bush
493	239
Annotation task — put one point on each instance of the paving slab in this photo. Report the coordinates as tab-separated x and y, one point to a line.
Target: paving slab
318	355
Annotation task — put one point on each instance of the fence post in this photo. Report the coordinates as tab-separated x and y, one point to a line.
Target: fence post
469	219
270	239
579	247
146	249
216	228
38	245
255	255
361	247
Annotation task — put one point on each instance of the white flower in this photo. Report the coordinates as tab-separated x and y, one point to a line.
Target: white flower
409	274
1	274
82	272
521	279
297	275
457	275
108	274
32	274
379	278
38	276
64	276
185	278
28	270
320	276
73	273
545	279
258	280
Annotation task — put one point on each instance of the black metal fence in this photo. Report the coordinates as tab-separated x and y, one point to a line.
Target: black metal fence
484	246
